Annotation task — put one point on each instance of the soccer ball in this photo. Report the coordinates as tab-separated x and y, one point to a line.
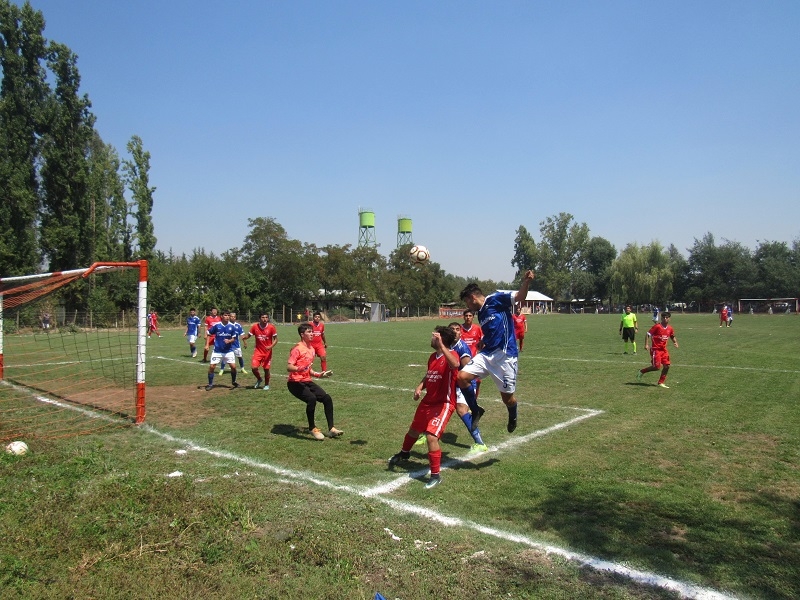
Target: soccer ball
18	448
419	255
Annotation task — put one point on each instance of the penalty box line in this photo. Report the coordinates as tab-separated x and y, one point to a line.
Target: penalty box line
684	589
475	457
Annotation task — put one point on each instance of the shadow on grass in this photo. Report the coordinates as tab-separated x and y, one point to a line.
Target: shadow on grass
288	430
681	538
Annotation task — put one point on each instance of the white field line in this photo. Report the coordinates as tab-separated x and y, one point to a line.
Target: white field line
92	414
475	457
685	590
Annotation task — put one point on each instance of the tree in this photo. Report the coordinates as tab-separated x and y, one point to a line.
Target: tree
109	225
778	270
720	273
600	255
525	252
22	95
641	274
66	222
561	254
138	179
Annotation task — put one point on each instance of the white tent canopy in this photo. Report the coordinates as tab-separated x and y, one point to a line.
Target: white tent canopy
534	299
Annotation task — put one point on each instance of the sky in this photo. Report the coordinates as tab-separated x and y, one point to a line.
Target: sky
648	121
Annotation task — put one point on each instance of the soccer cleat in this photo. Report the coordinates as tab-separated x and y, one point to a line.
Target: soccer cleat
258	385
243	370
476	416
266	388
235	385
512	424
479	448
334	433
202	360
194	354
398	458
317	434
421	441
433	482
663	385
639	375
209	387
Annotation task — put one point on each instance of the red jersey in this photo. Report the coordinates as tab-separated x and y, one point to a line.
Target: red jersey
319	330
519	325
660	334
301	356
440	380
471	337
263	337
210	320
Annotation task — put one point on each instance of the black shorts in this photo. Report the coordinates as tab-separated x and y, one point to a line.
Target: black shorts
628	334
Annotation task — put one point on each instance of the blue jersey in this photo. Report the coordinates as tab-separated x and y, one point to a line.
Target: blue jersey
192	325
497	324
222	333
239	331
462	350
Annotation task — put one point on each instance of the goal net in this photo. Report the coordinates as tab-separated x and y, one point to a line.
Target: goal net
71	362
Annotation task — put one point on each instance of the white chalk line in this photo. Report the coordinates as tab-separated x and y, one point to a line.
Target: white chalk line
686	590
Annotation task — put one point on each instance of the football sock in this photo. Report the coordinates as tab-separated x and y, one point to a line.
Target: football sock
210	379
634	346
435	458
512	411
408	443
470	397
467	418
324	364
241	363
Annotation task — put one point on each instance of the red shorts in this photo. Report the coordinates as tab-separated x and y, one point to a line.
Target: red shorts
261	359
659	357
432	418
319	348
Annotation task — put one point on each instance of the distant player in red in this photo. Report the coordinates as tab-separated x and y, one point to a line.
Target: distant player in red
209	321
471	335
320	343
520	326
723	316
438	405
152	323
266	337
656	342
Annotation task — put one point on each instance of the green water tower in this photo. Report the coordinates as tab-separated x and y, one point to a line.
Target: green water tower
404	233
366	228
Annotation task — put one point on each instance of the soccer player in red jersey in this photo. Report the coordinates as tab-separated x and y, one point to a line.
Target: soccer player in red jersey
471	333
520	326
656	342
152	323
438	404
300	385
266	337
320	343
210	320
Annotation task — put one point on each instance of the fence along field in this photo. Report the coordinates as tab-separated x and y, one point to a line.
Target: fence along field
692	482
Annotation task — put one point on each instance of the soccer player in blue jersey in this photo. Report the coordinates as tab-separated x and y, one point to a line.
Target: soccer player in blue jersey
235	346
192	331
462	406
224	334
497	358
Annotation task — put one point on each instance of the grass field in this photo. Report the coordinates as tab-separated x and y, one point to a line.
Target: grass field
609	488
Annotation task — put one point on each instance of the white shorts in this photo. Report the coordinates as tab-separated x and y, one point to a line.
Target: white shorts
217	357
460	397
499	366
192	339
237	352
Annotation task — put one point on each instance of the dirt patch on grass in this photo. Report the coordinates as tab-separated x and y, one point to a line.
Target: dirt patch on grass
177	406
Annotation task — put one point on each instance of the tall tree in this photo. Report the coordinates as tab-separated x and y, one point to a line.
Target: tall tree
66	232
778	271
525	252
137	176
23	49
108	208
561	254
600	255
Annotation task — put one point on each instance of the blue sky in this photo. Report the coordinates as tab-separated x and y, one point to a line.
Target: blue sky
645	120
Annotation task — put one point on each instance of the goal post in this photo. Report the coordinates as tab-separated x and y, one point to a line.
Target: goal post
64	355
